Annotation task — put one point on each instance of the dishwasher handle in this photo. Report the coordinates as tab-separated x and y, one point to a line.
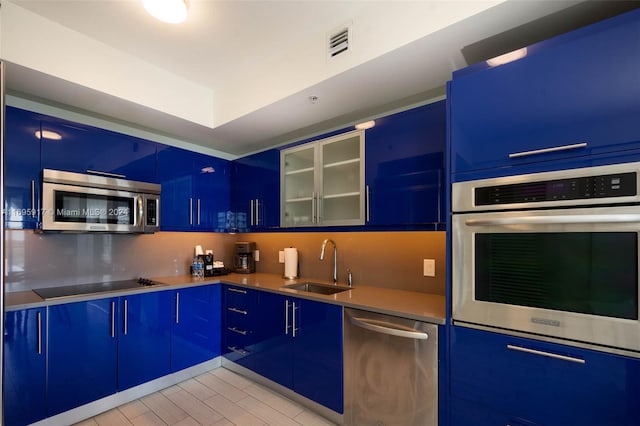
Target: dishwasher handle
388	328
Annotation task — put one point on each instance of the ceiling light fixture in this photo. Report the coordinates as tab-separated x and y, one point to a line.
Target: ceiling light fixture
366	125
48	134
170	11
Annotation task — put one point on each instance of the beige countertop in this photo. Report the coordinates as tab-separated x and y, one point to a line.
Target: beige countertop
408	304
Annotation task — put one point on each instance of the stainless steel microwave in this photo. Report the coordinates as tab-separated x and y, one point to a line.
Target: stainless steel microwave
76	202
553	254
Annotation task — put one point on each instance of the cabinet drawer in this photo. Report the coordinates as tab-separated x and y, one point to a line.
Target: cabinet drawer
240	298
543	382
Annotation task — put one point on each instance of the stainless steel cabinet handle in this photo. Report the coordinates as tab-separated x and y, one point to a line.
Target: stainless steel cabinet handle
257	212
113	319
236	350
286	317
314	218
388	328
39	320
177	308
237	290
560	219
236	330
198	211
190	211
293	319
107	174
126	314
367	197
238	311
547	354
547	150
252	213
33	198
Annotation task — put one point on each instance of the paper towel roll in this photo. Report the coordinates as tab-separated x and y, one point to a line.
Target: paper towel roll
291	263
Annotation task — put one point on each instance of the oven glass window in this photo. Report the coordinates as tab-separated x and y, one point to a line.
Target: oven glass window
84	208
585	272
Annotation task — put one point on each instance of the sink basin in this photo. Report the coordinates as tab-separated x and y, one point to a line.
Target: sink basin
318	288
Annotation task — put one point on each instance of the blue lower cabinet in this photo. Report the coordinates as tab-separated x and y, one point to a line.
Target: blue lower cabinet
82	353
144	338
24	366
300	347
500	379
239	319
195	331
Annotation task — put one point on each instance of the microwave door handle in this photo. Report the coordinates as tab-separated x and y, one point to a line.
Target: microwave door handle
140	211
554	220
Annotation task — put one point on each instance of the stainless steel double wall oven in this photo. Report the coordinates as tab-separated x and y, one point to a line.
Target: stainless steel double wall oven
553	254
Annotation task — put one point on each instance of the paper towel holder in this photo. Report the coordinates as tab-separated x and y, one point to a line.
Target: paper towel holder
291	262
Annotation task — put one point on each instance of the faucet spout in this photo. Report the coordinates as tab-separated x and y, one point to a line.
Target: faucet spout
335	258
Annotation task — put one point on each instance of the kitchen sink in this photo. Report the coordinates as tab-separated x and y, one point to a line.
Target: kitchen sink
318	288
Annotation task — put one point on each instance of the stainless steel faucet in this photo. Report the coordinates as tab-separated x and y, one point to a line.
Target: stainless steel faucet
335	258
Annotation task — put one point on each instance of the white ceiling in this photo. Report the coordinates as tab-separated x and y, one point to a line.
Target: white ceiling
259	61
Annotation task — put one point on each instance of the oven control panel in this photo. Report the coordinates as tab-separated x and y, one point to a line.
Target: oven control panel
577	188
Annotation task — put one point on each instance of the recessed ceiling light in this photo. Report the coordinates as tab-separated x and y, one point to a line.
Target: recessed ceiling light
48	134
366	125
170	11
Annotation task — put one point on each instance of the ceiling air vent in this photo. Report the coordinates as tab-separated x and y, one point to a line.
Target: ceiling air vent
339	42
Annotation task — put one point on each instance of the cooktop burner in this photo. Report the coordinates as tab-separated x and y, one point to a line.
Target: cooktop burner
78	289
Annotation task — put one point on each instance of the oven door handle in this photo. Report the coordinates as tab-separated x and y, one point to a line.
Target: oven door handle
554	220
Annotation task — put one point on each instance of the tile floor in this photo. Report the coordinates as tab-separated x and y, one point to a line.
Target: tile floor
218	398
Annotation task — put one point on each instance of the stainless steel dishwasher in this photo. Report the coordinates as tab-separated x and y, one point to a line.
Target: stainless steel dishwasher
390	370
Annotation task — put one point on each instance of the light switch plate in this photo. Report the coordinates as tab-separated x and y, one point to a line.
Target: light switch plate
256	255
281	256
429	267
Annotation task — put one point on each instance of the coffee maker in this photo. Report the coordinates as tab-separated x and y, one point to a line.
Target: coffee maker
243	258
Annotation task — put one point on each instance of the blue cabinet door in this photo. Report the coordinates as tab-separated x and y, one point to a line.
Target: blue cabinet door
85	149
317	353
195	191
24	366
531	382
553	97
195	332
144	338
405	167
22	169
255	194
273	350
82	351
212	186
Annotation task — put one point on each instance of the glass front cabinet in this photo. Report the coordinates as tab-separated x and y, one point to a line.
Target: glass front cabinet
322	182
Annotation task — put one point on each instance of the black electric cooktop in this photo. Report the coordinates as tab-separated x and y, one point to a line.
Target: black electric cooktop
79	289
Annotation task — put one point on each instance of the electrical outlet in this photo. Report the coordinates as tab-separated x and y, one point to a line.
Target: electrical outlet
429	267
281	256
256	255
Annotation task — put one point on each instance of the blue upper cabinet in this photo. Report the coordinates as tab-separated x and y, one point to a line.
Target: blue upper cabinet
255	194
195	191
499	379
22	168
86	149
405	167
571	98
24	366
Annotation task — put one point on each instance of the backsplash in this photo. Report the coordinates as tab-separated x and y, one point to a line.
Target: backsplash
380	259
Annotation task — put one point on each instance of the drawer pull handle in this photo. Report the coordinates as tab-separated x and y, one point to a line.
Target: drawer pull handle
547	150
237	290
236	350
236	330
547	354
238	311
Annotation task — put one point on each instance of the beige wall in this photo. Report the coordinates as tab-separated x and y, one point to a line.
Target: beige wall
380	259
